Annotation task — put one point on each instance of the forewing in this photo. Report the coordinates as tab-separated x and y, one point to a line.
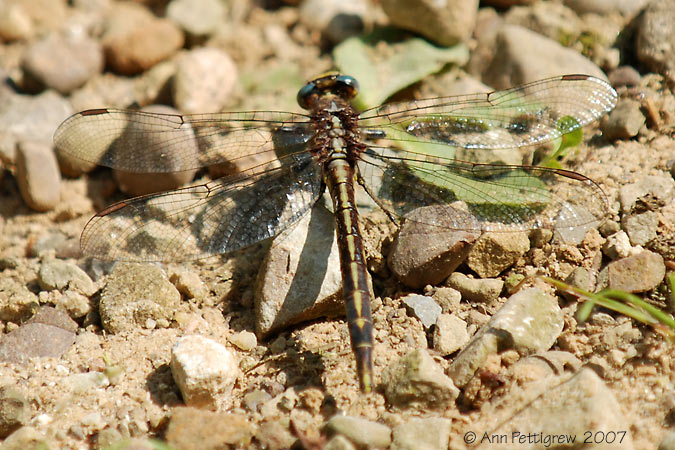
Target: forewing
200	221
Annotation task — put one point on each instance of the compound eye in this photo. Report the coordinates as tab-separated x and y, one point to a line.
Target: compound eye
304	93
349	85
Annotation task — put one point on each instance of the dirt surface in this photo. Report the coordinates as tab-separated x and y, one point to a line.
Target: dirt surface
315	359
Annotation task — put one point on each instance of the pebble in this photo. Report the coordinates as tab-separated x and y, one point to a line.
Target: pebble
194	428
495	252
476	290
17	303
606	7
417	380
34	340
84	383
582	278
625	121
362	432
450	334
446	23
62	275
205	372
339	442
530	321
545	57
24	438
423	308
255	399
24	19
178	150
275	434
46	112
44	61
624	76
135	293
74	303
641	272
38	176
424	254
135	40
14	410
661	188
617	246
655	43
244	340
204	80
421	434
197	17
448	298
300	276
641	228
188	283
336	19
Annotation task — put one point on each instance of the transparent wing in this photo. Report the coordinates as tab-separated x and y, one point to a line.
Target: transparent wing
526	115
481	197
147	142
218	217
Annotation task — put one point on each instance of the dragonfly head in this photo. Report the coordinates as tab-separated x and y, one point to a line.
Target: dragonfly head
343	86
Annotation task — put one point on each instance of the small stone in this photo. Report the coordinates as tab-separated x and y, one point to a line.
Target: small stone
448	298
495	252
641	228
33	118
659	188
416	379
13	410
204	371
625	121
339	442
47	315
193	428
204	80
530	321
624	76
655	43
134	293
17	303
255	399
75	304
275	434
62	275
38	176
641	272
450	334
300	276
337	20
24	438
540	236
197	17
244	340
422	307
188	283
424	254
617	246
44	61
362	432
582	278
476	290
34	340
80	383
418	434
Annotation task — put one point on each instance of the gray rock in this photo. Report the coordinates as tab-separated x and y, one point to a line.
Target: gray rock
417	380
450	334
660	188
551	20
204	80
197	17
38	176
625	121
197	428
606	7
617	246
641	272
337	20
135	293
476	290
17	303
44	61
34	340
546	412
420	434
300	277
582	278
641	228
111	90
422	307
47	315
362	432
543	58
424	254
14	410
33	117
624	76
495	252
448	298
62	275
204	371
655	46
530	321
445	23
244	340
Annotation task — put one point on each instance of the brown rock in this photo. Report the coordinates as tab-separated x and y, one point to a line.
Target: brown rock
494	252
38	176
637	273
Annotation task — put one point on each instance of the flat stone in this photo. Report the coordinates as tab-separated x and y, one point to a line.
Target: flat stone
625	121
424	254
582	278
450	334
448	299
362	432
14	410
604	7
641	272
38	176
197	17
32	340
61	275
641	228
204	371
422	433
476	289
47	315
529	322
422	307
495	252
659	188
33	118
244	340
199	429
417	380
135	293
300	277
204	80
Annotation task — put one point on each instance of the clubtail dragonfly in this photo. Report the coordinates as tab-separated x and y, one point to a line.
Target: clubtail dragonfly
405	155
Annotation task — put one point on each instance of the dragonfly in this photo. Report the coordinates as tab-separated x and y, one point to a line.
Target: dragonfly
407	156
